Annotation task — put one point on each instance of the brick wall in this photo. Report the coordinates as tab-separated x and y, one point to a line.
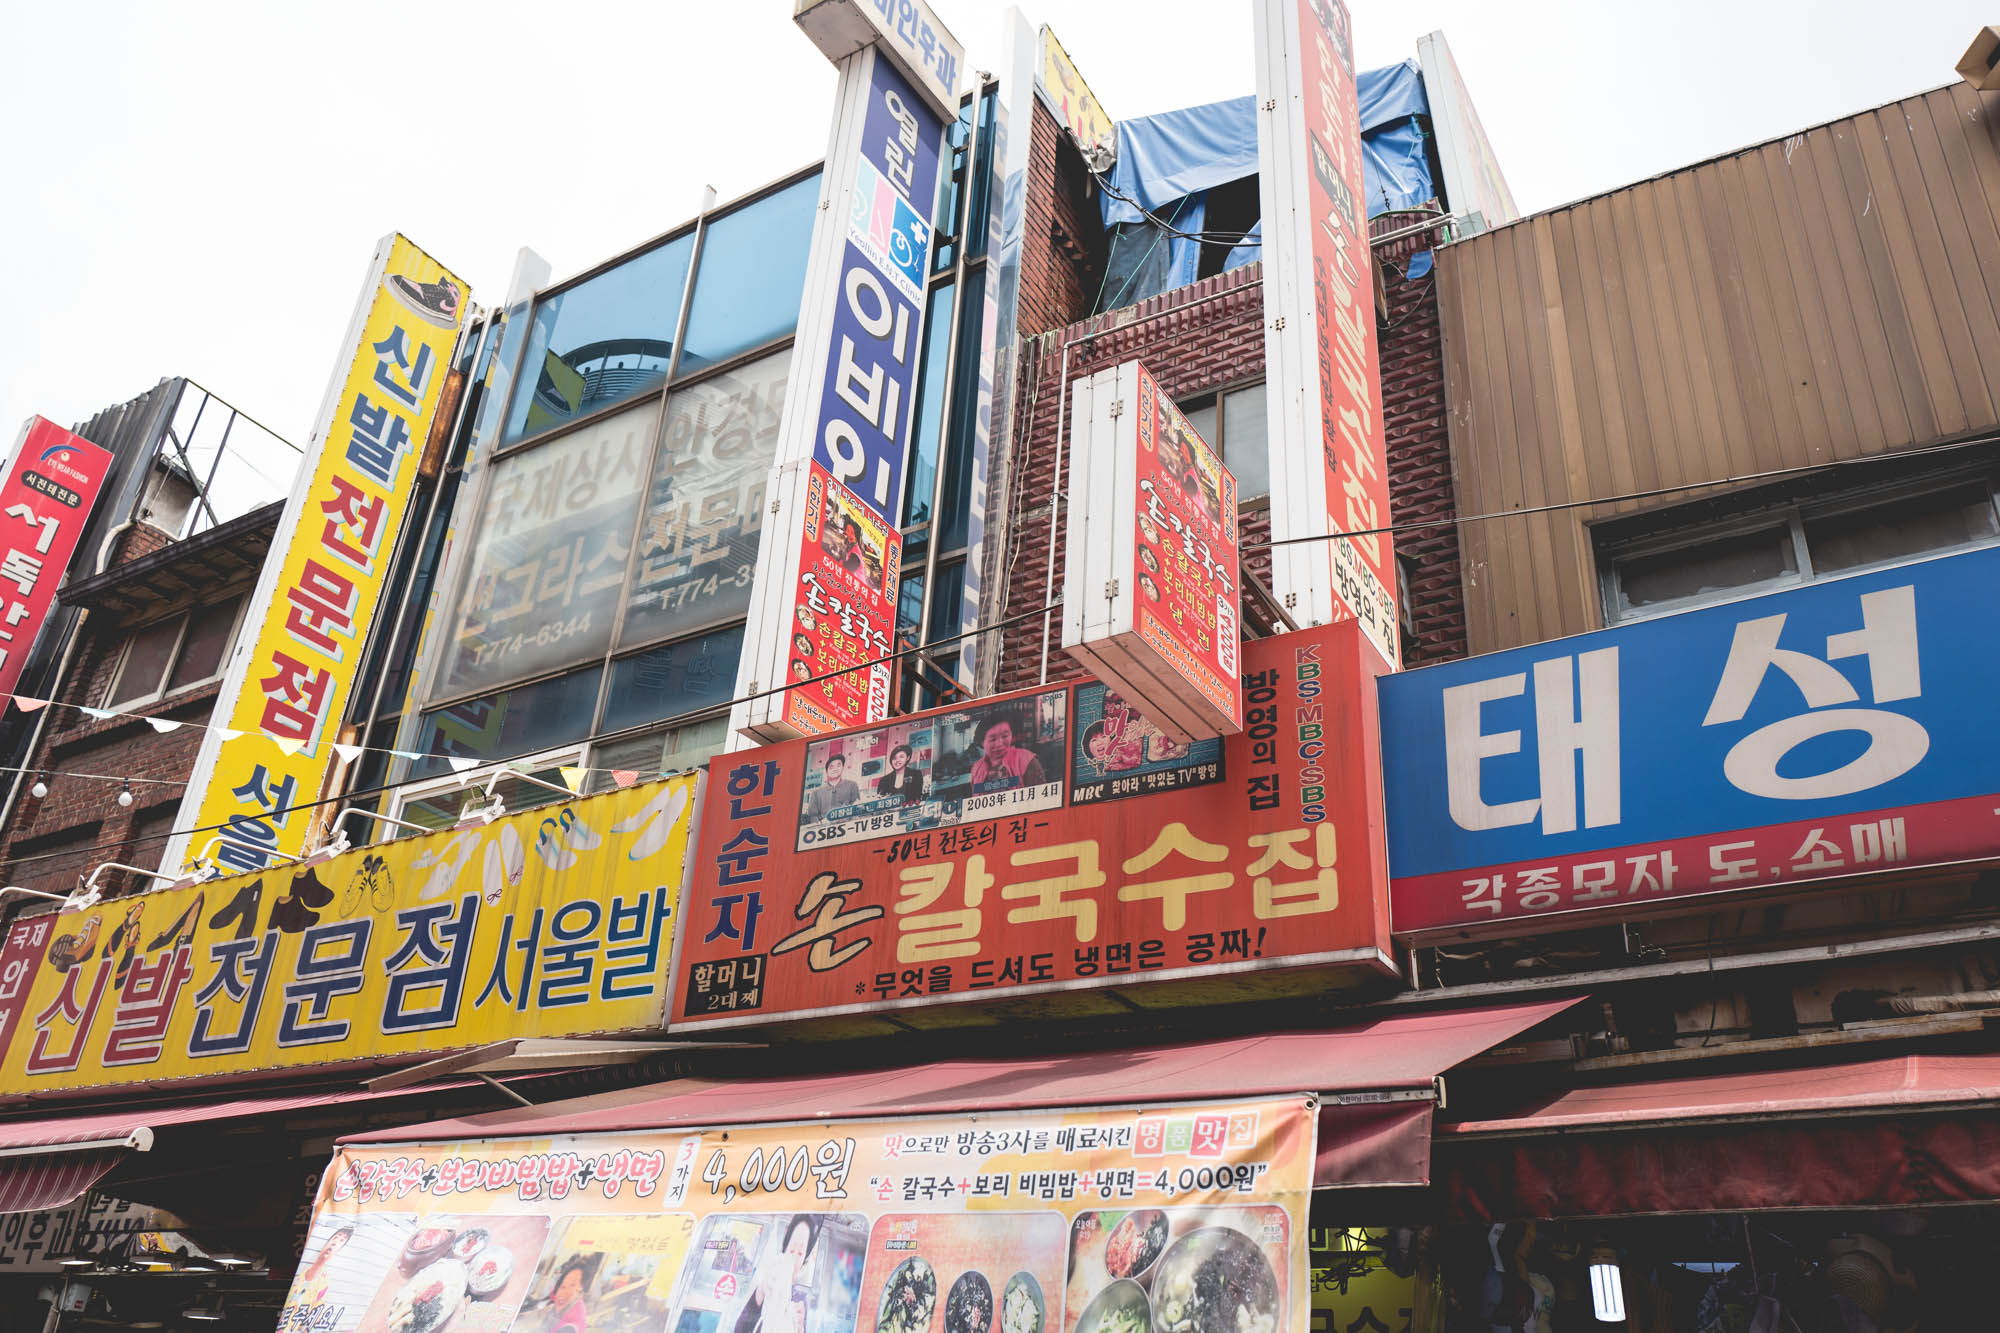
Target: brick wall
1062	248
1200	339
50	843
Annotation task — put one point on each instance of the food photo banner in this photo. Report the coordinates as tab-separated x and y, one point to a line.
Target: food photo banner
1839	729
968	853
556	922
1175	1219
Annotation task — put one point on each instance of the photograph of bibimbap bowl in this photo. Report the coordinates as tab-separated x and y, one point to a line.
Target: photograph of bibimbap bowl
1175	1270
457	1275
980	1273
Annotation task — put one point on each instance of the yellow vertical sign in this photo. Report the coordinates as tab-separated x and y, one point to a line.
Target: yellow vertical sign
294	667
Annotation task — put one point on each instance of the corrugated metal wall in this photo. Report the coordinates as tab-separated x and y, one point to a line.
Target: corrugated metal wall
1831	295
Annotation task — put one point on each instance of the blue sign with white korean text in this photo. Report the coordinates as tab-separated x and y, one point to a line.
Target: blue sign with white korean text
871	369
1842	728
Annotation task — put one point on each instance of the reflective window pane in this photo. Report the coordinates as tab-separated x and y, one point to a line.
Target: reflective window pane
673	679
965	412
930	407
207	643
147	654
752	275
1245	448
508	723
1940	521
655	753
441	809
1734	563
546	569
601	341
1203	420
705	510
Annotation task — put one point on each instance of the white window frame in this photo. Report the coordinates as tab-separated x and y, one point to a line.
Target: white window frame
1793	517
402	797
161	692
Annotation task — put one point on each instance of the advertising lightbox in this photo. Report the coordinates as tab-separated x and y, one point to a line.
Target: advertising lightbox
1151	582
1835	730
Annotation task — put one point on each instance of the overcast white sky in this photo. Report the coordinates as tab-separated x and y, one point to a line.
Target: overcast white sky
194	188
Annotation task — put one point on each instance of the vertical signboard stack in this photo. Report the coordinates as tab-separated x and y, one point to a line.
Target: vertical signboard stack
824	613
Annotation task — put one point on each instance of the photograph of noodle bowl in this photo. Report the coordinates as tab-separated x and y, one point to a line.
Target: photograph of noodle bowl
1199	1270
979	1273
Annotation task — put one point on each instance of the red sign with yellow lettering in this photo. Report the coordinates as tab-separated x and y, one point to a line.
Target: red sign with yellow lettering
963	854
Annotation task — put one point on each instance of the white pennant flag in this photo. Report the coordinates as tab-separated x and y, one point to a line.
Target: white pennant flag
286	743
227	733
462	765
347	753
163	725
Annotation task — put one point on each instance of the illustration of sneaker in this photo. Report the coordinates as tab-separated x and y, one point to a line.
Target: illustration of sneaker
434	301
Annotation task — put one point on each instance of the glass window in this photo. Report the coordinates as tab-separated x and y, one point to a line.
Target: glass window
1736	563
673	679
705	511
548	566
210	632
944	224
440	809
656	753
958	485
752	276
930	408
1940	521
1245	446
510	722
601	341
1203	418
148	653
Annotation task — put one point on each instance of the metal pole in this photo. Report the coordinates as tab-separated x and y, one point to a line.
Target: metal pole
934	541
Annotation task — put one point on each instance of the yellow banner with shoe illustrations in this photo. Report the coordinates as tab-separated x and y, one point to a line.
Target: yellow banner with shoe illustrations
554	922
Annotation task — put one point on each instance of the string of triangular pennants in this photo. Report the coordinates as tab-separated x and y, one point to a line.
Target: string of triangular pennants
573	775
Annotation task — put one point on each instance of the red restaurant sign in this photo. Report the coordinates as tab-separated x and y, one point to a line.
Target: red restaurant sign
960	854
46	501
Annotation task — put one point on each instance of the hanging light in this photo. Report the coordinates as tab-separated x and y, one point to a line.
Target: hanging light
1607	1286
41	787
125	796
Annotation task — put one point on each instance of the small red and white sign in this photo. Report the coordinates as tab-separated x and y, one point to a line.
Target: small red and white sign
1151	583
51	486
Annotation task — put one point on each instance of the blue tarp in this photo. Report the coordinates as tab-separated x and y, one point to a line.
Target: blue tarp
1165	158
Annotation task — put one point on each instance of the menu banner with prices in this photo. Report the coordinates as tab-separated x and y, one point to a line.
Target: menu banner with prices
1179	1218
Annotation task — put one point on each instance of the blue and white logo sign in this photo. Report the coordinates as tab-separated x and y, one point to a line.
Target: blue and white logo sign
1833	729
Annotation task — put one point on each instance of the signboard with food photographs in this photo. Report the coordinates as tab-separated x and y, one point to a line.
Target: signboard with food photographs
556	922
1164	1219
1150	587
960	854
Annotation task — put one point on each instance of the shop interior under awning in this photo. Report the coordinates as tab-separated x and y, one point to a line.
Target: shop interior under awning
1180	202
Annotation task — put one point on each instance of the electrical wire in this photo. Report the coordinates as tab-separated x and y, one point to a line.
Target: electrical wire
725	706
681	719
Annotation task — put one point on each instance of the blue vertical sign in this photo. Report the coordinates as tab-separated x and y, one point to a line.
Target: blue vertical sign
867	397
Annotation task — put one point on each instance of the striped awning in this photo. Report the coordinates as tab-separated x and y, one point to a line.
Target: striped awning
35	1183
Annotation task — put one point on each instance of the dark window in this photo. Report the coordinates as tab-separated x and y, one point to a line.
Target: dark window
173	654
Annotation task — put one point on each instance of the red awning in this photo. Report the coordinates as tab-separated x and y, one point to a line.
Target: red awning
47	1163
1879	1133
1375	1079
